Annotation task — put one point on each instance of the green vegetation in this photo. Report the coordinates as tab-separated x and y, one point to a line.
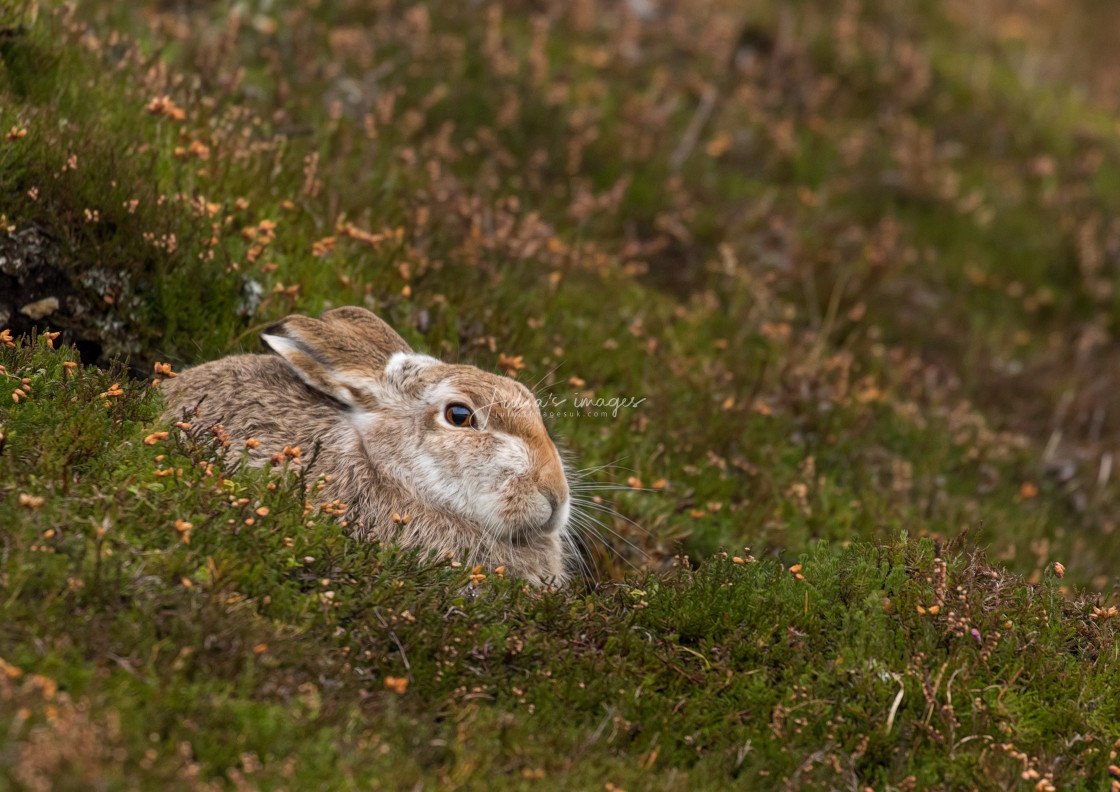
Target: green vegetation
861	271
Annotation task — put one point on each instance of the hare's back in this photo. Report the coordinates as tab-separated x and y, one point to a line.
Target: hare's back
250	396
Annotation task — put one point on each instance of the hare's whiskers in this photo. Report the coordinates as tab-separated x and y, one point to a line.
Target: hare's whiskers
577	548
592	532
589	504
587	471
535	389
587	521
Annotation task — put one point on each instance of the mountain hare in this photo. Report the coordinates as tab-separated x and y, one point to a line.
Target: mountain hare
426	454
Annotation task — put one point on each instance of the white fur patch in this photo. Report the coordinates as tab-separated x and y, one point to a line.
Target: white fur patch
482	492
281	345
385	388
565	513
363	422
285	347
402	363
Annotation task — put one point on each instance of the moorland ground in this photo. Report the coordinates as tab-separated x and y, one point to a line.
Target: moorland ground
857	261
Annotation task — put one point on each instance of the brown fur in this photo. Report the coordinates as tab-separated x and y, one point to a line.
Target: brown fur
383	445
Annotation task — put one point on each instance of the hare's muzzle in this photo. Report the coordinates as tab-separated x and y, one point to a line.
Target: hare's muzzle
558	518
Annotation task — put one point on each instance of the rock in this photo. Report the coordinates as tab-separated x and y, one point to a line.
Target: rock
37	280
40	308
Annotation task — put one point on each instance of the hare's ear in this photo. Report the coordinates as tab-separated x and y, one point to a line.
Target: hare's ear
343	353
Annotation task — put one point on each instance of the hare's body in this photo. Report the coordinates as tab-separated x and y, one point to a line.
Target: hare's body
385	421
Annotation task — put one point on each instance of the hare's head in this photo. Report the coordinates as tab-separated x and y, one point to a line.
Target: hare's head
466	443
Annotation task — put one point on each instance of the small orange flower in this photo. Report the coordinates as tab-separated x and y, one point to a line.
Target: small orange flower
163	106
184	529
323	246
200	150
396	684
718	146
511	364
31	501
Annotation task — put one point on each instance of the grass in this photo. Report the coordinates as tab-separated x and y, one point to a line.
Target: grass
857	269
184	662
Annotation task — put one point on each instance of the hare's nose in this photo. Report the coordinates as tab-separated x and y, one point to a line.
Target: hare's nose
558	506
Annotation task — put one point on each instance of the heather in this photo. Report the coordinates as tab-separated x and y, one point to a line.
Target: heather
841	278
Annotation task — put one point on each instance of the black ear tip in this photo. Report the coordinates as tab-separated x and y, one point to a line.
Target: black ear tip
274	329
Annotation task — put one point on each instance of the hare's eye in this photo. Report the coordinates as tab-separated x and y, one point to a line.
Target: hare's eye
459	415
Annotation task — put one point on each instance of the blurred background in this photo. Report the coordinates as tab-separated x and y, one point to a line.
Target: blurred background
1069	43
